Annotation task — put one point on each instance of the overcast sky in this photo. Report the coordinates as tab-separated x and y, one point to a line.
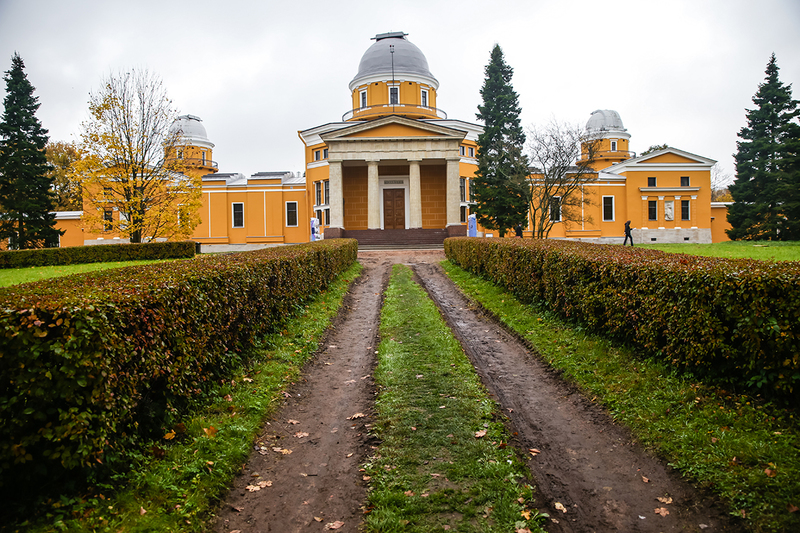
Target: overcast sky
679	72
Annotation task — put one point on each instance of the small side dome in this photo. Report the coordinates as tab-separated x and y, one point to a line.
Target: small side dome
192	131
605	120
409	61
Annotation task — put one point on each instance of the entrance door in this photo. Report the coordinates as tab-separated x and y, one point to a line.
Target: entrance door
394	209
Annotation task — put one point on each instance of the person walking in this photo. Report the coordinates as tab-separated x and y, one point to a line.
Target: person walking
628	233
518	231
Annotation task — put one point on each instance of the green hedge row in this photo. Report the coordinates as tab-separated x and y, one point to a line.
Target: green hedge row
84	358
101	253
737	321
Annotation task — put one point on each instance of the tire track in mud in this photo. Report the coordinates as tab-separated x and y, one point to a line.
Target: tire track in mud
587	463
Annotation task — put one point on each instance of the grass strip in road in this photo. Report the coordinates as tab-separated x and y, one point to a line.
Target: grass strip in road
744	450
174	483
443	463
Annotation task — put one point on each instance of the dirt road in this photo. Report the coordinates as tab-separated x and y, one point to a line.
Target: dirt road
587	464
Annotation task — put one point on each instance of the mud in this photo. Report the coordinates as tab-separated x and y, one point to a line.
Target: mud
588	464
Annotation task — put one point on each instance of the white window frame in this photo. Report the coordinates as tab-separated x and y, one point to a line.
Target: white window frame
613	145
324	153
397	88
613	208
327	217
318	192
296	214
462	150
655	181
362	96
550	209
326	189
423	98
316	155
233	214
648	209
688	181
471	151
688	205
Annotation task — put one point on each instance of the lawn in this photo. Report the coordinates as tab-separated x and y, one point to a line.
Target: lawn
763	250
15	276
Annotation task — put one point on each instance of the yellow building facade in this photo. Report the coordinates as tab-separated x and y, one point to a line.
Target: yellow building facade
396	170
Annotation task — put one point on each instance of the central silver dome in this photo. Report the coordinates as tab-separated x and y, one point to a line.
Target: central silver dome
409	61
605	120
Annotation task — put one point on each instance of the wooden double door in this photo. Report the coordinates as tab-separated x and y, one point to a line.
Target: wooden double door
394	209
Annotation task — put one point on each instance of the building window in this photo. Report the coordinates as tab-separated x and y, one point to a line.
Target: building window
684	209
238	214
471	193
316	155
424	98
325	153
180	154
684	181
108	219
463	213
318	192
318	214
327	198
394	95
327	217
555	209
651	181
613	146
608	209
364	98
462	186
462	151
291	214
471	151
652	210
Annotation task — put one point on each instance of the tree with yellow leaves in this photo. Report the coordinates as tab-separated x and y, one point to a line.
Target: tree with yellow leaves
125	166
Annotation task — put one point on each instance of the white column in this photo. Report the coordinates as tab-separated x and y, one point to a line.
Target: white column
453	193
414	196
336	201
373	196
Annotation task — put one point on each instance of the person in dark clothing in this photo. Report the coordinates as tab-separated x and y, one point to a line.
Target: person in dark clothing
518	231
628	233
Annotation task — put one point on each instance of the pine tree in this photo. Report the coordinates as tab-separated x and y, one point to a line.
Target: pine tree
25	188
766	191
500	183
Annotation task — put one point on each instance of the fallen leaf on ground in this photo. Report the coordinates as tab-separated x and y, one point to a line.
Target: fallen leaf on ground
770	473
264	484
534	451
560	507
334	525
236	531
284	451
318	518
228	398
526	514
286	394
349	455
526	530
664	499
170	435
237	509
792	508
210	431
301	434
481	433
357	415
253	488
248	380
409	493
293	422
662	511
349	381
142	511
645	479
702	526
366	478
419	376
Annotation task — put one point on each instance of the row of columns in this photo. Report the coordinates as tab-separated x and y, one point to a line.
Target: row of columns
374	200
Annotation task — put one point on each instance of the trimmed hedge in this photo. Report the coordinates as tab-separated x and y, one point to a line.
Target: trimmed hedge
734	320
85	358
96	254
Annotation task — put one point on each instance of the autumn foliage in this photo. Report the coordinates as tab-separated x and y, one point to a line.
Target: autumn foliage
736	321
89	358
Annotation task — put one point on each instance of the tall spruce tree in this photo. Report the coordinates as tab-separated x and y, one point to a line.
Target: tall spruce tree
500	183
26	196
766	191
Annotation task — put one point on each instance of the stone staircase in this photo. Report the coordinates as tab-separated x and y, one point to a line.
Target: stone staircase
397	238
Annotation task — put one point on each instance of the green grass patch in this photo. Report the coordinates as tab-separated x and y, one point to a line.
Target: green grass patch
763	250
15	276
431	470
745	450
174	483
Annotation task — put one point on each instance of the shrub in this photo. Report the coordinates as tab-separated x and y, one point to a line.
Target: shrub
96	254
733	320
85	358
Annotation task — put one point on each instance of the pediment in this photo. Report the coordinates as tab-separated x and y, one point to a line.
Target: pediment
670	157
393	127
663	160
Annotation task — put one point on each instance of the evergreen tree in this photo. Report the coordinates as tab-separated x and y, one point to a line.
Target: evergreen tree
766	191
25	188
500	183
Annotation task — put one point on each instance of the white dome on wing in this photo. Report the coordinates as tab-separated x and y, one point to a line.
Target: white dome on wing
605	120
409	61
192	131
